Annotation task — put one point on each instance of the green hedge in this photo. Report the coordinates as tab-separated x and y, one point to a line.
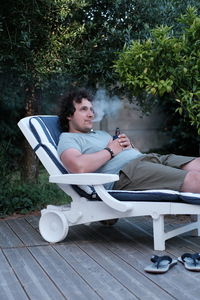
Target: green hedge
17	197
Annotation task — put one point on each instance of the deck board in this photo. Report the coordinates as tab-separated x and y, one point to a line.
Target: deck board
93	262
27	233
8	238
66	278
96	275
31	275
11	289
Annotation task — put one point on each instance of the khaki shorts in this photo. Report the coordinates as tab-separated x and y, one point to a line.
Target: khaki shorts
153	171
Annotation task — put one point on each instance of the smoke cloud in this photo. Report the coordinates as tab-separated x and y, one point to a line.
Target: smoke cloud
104	105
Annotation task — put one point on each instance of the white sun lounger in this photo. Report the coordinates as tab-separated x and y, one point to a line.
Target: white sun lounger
91	202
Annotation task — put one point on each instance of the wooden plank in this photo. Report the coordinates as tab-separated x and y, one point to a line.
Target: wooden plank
169	282
133	279
10	288
142	236
122	245
33	221
7	237
32	277
66	278
176	280
94	262
95	275
179	244
26	232
142	241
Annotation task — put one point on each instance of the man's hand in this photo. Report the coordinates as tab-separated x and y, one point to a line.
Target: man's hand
124	141
119	144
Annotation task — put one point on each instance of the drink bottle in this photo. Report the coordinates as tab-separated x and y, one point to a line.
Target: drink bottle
117	132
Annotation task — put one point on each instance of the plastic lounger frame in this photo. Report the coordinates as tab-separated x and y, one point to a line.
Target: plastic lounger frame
55	220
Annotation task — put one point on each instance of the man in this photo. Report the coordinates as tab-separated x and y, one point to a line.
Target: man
83	150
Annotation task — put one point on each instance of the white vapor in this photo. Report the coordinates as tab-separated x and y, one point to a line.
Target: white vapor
105	105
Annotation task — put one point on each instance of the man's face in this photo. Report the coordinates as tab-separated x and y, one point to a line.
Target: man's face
82	119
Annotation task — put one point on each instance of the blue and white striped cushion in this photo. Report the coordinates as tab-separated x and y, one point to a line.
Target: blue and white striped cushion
46	131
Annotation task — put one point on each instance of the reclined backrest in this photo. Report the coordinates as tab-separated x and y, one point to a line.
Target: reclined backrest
47	131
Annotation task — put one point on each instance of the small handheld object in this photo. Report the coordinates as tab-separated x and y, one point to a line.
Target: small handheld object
117	133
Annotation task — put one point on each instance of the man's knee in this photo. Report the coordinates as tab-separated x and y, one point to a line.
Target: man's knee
191	182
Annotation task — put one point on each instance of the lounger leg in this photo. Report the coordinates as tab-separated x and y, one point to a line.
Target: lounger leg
158	233
198	229
196	232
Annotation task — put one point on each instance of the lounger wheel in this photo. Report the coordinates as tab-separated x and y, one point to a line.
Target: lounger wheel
53	226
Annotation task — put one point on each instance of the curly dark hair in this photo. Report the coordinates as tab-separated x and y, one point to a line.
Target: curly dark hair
67	109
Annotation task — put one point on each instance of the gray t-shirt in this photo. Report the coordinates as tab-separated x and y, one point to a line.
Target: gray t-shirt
93	142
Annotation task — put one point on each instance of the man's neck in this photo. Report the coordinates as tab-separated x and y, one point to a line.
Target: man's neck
77	131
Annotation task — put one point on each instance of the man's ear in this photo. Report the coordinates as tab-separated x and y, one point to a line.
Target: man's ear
68	118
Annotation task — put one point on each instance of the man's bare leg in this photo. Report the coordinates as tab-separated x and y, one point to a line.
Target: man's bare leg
192	179
193	165
191	182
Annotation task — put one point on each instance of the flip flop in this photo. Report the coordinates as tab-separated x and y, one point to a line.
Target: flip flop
191	261
161	264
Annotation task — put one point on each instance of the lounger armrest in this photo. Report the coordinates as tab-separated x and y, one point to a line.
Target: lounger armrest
97	180
84	178
121	206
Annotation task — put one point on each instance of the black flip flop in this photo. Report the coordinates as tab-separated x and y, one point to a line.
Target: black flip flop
191	261
161	264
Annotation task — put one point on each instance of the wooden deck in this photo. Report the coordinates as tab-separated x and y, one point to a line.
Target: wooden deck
94	262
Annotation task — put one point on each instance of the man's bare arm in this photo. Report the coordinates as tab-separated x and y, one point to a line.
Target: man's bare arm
76	162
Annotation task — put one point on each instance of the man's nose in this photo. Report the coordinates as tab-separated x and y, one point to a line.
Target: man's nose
91	113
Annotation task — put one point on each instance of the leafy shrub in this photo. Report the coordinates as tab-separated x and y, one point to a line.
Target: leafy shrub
166	67
23	198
